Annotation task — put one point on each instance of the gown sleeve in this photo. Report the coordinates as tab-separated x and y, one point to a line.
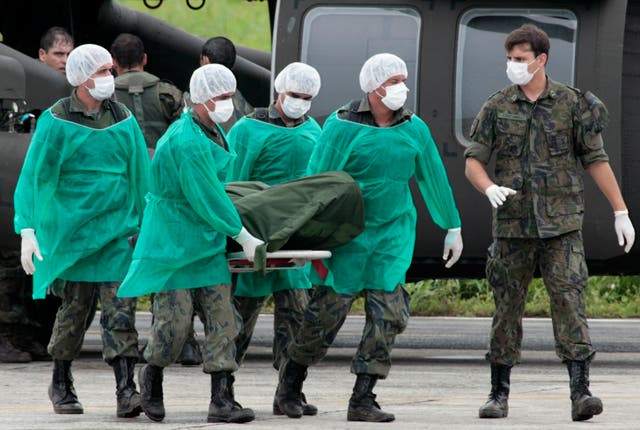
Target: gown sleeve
434	184
39	175
139	171
206	194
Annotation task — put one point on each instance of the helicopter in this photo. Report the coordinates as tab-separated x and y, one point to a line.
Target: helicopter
454	54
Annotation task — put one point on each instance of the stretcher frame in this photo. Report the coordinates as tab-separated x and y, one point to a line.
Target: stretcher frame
277	260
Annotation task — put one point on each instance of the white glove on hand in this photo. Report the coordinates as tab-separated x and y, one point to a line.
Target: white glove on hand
452	246
29	247
624	230
498	195
248	242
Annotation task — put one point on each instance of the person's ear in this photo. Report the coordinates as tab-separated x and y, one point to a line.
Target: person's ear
543	59
41	54
144	60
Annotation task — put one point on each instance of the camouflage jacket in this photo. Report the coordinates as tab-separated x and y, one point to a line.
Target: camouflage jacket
537	146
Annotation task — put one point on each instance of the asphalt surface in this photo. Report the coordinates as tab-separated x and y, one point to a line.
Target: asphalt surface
434	383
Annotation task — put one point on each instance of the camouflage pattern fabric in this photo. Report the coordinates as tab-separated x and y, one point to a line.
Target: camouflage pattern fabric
538	146
172	312
510	267
119	335
387	315
288	314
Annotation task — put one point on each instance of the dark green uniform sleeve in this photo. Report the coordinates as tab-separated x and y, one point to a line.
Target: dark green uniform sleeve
482	134
590	118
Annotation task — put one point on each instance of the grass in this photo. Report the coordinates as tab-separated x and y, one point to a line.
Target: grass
605	297
246	23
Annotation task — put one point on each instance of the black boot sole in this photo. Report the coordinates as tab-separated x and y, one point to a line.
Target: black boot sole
308	410
357	416
231	419
131	413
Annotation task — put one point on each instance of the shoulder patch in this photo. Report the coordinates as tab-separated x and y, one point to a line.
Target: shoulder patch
474	127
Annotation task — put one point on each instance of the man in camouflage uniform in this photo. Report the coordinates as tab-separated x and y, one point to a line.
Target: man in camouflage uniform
539	130
154	102
357	139
76	234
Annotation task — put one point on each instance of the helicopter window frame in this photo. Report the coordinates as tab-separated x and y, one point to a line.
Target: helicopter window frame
322	24
469	95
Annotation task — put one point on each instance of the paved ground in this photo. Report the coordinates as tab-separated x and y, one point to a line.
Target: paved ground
431	389
438	381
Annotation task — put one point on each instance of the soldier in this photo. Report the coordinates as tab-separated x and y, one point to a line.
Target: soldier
154	102
180	254
216	50
273	145
539	130
220	50
80	195
55	46
382	145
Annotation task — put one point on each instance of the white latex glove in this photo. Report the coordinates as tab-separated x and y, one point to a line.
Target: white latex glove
452	246
498	195
300	261
624	229
248	242
29	247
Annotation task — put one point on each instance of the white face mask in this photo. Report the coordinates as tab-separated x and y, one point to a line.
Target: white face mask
396	96
294	108
518	73
224	110
103	87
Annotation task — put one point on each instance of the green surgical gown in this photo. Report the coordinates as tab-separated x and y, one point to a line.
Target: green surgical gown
182	242
82	190
271	154
382	161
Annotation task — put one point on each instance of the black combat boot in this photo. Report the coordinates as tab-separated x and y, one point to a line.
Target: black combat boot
128	398
151	401
190	354
289	391
61	391
363	405
9	353
307	409
497	405
583	404
223	407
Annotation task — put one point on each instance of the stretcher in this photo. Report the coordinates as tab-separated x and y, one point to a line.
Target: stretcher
278	260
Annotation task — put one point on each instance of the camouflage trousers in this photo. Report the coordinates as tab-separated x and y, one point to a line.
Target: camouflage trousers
288	313
387	315
510	267
118	321
172	316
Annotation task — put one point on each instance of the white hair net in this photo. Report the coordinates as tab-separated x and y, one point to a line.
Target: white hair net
378	69
84	61
298	78
209	81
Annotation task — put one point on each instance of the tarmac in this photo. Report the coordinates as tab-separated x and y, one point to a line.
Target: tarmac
428	387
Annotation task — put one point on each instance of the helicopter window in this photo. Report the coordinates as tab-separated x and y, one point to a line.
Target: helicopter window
329	46
481	60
